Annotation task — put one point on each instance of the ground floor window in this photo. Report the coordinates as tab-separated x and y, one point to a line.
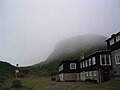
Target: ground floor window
90	73
117	59
94	73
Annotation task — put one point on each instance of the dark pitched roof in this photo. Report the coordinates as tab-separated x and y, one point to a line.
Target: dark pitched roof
113	35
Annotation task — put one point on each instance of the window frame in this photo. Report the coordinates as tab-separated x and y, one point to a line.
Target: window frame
94	73
105	55
112	41
93	60
61	68
86	63
90	72
90	62
117	38
117	61
72	67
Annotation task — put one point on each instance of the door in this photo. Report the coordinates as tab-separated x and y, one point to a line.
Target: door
105	75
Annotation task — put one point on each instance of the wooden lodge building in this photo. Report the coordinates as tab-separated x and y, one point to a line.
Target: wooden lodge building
113	44
96	67
69	70
100	66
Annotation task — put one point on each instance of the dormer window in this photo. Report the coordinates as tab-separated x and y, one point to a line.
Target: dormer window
72	65
117	38
112	41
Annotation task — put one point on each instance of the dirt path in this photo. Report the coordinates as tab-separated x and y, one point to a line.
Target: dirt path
60	86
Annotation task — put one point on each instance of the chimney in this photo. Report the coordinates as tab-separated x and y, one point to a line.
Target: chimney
81	56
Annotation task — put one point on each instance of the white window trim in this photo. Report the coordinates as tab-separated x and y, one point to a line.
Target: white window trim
112	41
93	61
81	65
105	60
61	68
86	63
116	60
87	74
71	66
117	38
90	73
90	62
94	73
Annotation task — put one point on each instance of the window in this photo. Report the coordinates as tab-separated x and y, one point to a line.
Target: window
112	41
102	60
93	61
89	62
86	63
117	38
108	59
72	65
86	73
90	73
83	64
61	68
105	60
80	65
94	73
117	59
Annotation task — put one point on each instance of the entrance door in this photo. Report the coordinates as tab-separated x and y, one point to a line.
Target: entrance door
105	75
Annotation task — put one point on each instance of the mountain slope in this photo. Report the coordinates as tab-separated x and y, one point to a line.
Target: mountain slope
71	49
79	44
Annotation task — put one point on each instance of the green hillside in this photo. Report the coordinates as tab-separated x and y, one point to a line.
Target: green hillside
6	71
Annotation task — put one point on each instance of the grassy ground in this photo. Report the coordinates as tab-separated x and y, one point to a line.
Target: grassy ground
29	83
36	83
113	84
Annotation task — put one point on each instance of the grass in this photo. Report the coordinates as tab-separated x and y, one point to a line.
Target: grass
29	83
36	83
113	84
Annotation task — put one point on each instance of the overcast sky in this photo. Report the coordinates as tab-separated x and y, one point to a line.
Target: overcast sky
29	29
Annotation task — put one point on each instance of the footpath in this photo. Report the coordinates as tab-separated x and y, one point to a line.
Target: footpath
61	86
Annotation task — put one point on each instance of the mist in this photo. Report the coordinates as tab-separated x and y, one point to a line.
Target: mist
30	29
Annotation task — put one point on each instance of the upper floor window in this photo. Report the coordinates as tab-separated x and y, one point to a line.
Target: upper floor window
111	41
90	62
72	65
80	65
93	61
117	59
117	38
61	68
86	63
105	60
83	64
